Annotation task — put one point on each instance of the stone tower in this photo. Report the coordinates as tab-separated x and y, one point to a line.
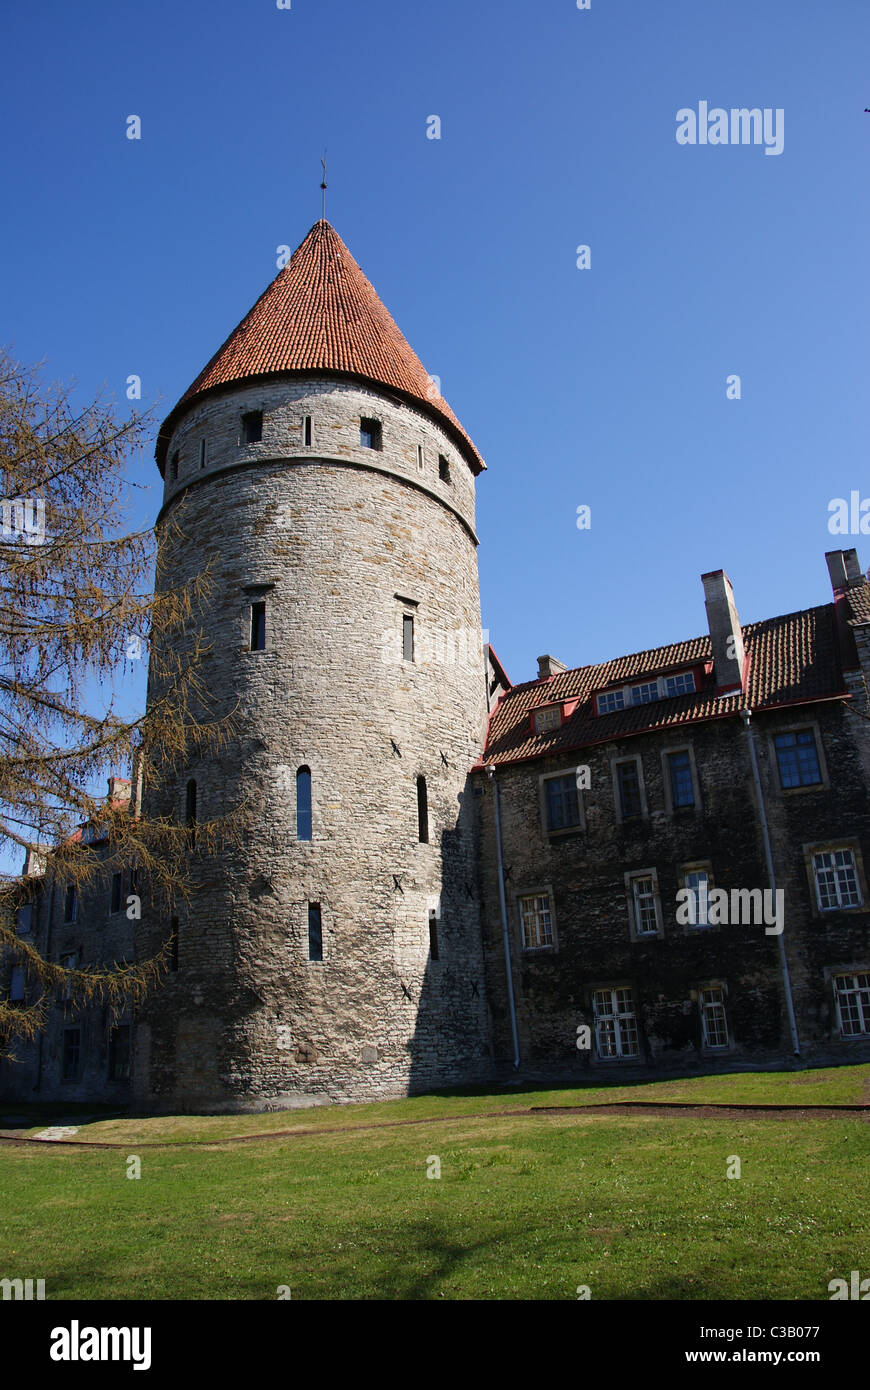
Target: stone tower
337	952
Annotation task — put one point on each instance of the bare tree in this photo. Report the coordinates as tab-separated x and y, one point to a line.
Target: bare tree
78	605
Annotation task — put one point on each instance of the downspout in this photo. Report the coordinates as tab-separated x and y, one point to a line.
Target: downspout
504	921
746	716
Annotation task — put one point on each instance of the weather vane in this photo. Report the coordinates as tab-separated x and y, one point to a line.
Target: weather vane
323	187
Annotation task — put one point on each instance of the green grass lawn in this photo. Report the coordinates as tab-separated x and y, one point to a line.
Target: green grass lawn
529	1207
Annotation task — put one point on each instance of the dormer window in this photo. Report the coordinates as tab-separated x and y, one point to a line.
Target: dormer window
548	719
646	692
612	700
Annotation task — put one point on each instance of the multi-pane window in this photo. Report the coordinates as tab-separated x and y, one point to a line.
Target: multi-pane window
303	803
643	897
680	773
563	802
537	921
71	904
711	1000
836	878
24	919
72	1048
547	719
798	759
645	693
258	627
615	1023
628	784
119	1053
698	884
315	932
408	636
370	434
611	700
117	880
683	684
853	1004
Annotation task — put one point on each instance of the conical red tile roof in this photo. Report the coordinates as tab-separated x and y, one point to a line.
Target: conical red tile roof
321	314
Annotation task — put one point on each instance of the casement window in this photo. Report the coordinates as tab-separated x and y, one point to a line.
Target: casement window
536	918
16	984
117	885
303	804
644	906
680	780
798	759
433	934
645	693
616	1033
714	1026
836	879
71	904
315	932
443	469
852	993
611	700
306	431
252	427
119	1053
683	684
422	811
561	802
698	883
258	626
370	434
24	919
628	789
408	636
72	1054
548	719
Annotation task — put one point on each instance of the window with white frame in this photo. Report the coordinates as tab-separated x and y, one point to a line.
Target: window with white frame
683	684
711	1000
562	802
537	921
698	883
611	700
644	904
645	692
547	719
836	877
853	1004
616	1032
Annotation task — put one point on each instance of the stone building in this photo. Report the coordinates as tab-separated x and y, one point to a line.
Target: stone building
449	879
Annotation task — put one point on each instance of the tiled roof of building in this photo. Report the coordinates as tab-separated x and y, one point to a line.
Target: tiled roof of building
858	601
321	314
790	659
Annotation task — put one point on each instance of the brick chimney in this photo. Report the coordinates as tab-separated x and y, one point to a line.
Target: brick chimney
119	788
844	569
729	657
549	666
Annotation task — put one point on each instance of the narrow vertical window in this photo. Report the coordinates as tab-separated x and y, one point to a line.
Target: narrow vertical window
628	782
173	945
303	804
422	811
119	1053
202	453
682	790
307	435
420	456
433	935
408	636
715	1027
71	904
258	627
315	932
72	1050
190	812
175	464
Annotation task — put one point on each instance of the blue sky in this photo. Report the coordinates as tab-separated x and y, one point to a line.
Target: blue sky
604	387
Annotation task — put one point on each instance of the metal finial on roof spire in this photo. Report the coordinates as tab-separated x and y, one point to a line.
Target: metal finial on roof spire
323	187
